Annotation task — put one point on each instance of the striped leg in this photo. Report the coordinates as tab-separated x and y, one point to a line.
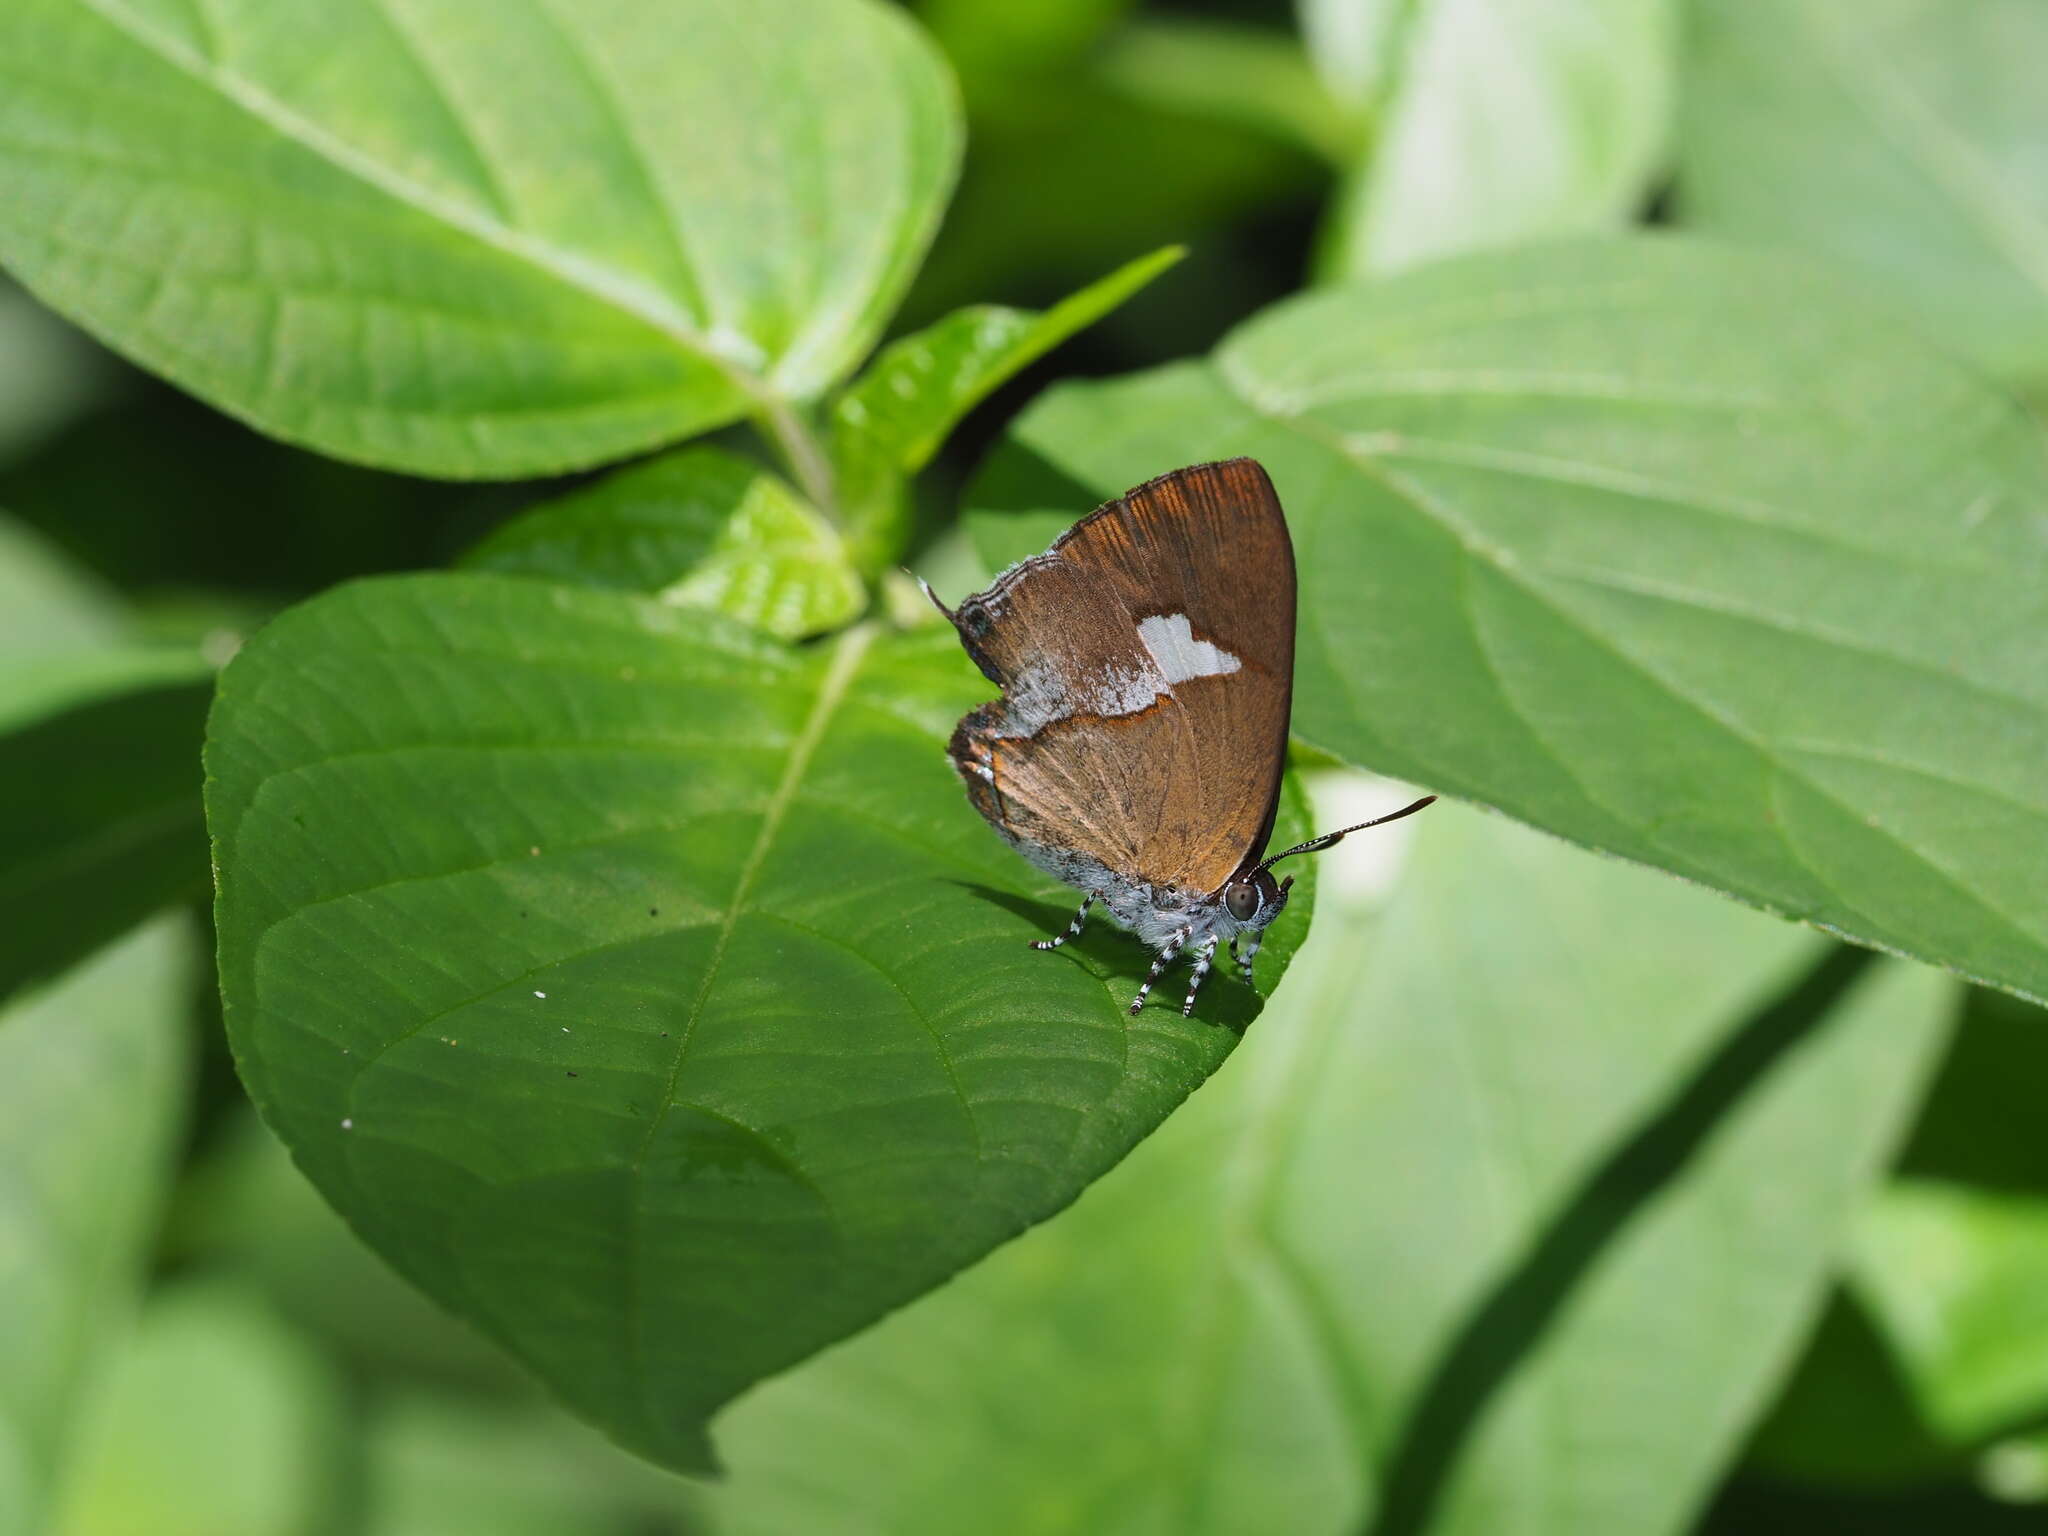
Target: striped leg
1165	958
1202	959
1073	928
1251	953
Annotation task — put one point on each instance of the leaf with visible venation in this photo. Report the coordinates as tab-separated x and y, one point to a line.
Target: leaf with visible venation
1506	1218
1669	549
1899	137
475	237
92	1073
700	528
1492	124
647	991
215	1420
893	418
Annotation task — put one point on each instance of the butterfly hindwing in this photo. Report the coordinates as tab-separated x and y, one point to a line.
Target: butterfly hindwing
1146	662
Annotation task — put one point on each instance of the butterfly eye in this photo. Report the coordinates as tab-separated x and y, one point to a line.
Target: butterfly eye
1242	902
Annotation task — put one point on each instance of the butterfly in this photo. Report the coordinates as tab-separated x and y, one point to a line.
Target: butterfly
1146	662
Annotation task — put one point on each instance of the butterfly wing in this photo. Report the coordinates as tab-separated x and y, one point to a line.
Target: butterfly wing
1147	664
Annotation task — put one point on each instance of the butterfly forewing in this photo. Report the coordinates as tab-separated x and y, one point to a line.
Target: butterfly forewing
1146	662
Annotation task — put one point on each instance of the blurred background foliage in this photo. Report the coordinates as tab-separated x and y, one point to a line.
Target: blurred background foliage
271	1378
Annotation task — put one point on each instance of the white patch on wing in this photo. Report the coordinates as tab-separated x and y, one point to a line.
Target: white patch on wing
1172	642
1039	695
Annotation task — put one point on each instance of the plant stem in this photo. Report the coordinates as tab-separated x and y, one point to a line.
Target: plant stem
803	453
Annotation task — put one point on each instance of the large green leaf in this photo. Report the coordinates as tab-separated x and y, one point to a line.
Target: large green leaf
475	237
102	740
648	992
701	528
1492	124
1900	137
1661	547
215	1420
1504	1220
92	1071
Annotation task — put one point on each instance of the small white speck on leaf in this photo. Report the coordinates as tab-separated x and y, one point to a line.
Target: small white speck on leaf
540	994
348	1125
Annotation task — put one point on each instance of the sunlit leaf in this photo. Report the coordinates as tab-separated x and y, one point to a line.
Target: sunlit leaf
1901	138
1956	1279
699	528
1668	549
475	237
1492	124
894	417
1506	1218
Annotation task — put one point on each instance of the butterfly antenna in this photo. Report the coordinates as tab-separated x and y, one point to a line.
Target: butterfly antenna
1330	839
926	588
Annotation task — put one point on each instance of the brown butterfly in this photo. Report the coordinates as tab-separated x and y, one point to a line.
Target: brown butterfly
1147	668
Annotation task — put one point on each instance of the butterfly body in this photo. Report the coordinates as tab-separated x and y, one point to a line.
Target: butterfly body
1146	662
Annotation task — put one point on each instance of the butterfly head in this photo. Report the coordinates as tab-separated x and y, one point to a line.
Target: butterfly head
1256	899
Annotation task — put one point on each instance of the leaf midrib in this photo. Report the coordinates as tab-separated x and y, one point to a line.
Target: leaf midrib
610	288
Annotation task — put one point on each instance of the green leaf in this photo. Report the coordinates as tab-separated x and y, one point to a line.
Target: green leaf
1253	76
1665	548
92	1074
700	528
891	420
246	1207
648	993
50	610
458	1466
103	741
1493	124
1846	1418
48	373
215	1421
1901	138
1955	1278
1505	1219
475	237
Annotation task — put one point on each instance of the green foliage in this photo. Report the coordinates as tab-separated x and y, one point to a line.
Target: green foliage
214	1421
891	420
700	528
101	738
612	951
1900	138
92	1067
1491	124
1704	587
490	238
1394	1257
648	992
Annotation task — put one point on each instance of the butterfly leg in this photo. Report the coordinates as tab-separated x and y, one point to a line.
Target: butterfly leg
1251	953
1165	958
1073	928
1202	959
